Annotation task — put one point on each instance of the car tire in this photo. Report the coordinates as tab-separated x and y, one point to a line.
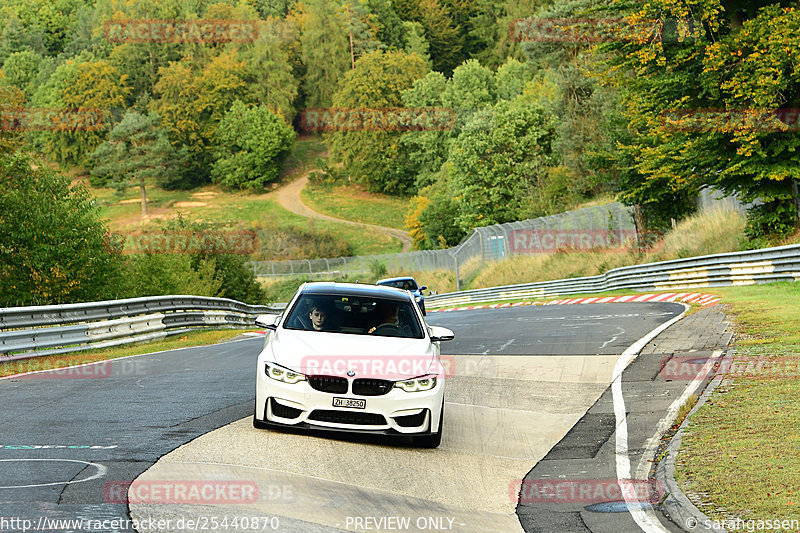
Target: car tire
432	441
422	308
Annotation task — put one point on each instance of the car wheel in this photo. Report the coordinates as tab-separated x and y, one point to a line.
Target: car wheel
422	308
432	441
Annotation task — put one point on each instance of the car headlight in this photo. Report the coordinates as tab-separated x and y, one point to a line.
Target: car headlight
418	298
417	384
283	374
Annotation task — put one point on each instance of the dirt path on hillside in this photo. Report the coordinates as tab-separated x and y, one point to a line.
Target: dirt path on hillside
289	198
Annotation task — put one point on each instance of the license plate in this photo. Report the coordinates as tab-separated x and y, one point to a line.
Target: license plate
350	403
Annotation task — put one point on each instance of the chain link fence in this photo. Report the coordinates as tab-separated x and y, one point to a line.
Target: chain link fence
604	226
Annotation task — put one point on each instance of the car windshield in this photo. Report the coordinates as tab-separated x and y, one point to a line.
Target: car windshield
407	284
355	315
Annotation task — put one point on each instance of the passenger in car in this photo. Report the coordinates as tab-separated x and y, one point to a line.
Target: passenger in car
318	316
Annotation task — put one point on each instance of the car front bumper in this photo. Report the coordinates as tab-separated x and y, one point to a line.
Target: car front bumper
299	405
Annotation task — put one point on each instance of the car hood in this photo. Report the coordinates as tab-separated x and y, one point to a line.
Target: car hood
311	352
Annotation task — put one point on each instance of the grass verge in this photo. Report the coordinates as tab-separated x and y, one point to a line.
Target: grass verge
49	362
289	236
354	202
741	451
706	233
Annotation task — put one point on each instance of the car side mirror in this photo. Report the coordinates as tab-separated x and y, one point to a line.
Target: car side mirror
423	288
439	333
268	321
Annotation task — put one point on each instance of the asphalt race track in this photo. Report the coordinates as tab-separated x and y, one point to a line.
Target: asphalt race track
72	441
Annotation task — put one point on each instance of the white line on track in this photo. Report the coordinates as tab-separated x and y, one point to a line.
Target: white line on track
101	471
665	423
648	524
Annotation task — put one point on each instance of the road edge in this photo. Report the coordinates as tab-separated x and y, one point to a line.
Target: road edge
676	506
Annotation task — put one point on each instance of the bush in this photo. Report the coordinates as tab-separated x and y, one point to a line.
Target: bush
54	247
253	145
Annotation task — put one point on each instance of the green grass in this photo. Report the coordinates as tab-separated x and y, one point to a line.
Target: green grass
354	202
742	448
303	157
47	362
250	210
706	233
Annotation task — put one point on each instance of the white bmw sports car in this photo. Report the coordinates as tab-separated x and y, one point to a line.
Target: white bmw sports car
351	357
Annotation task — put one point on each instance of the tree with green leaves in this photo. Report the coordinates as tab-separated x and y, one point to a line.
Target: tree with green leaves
137	150
498	161
373	154
15	37
11	101
235	277
388	25
362	28
85	94
416	43
432	223
54	246
700	110
157	274
325	50
443	35
20	70
270	80
253	142
427	150
191	102
471	88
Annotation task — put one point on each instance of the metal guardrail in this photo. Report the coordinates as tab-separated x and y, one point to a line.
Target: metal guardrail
737	268
34	331
43	330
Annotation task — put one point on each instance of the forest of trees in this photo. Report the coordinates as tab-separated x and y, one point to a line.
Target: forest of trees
685	100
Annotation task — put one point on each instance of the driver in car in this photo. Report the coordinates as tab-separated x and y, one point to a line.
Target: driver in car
387	314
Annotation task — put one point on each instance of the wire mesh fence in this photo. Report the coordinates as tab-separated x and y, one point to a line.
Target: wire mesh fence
604	226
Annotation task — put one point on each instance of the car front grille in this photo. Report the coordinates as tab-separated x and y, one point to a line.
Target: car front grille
347	417
411	421
372	387
331	384
283	411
